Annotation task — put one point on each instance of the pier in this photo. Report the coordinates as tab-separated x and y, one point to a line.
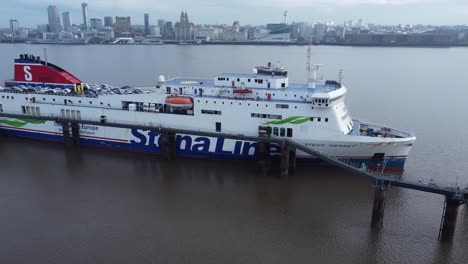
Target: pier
454	196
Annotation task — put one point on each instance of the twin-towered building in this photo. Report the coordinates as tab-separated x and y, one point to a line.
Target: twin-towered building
184	29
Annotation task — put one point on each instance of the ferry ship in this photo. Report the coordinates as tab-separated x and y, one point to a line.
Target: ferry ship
312	113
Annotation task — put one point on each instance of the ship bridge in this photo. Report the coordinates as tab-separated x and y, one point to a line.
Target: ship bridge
252	80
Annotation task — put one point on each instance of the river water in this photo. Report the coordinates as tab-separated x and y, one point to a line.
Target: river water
86	205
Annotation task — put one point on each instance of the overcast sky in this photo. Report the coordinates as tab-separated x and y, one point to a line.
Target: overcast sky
440	12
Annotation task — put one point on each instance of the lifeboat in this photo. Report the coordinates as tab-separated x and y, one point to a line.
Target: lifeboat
242	91
180	102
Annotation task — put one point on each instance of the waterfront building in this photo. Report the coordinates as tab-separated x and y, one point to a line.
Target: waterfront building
84	7
67	22
96	23
147	26
184	29
235	33
43	28
161	23
154	31
209	33
108	21
168	31
54	20
14	28
122	25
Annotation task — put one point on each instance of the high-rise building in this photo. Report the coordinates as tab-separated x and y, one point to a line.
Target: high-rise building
147	26
67	22
122	24
168	31
14	28
96	23
84	7
108	21
54	19
161	23
184	29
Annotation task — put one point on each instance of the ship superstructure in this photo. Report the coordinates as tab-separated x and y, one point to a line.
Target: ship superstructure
262	101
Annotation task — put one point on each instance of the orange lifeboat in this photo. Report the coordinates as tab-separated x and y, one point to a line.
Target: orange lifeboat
179	101
242	91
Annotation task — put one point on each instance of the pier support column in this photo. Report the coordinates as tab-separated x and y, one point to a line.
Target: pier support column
75	132
263	157
284	165
66	133
168	146
449	219
378	208
292	160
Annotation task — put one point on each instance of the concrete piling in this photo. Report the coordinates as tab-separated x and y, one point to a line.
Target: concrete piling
449	219
66	133
263	158
292	160
378	207
168	145
284	164
75	133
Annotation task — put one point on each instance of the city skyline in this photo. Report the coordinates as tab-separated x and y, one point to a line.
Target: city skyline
30	12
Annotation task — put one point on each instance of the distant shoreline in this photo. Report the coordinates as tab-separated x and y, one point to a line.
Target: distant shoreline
272	43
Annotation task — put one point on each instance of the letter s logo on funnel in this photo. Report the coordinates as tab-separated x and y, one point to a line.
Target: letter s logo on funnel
27	73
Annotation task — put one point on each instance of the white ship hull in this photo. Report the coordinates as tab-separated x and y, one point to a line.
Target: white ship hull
206	147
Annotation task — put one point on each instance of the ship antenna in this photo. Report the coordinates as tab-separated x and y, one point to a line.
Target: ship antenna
309	55
45	56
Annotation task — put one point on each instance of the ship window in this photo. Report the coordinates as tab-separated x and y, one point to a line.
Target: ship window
283	85
282	106
79	101
23	108
218	126
90	102
282	132
53	99
326	119
227	79
266	116
210	112
295	107
43	99
3	96
289	132
12	97
248	80
275	131
312	119
238	79
102	103
319	119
